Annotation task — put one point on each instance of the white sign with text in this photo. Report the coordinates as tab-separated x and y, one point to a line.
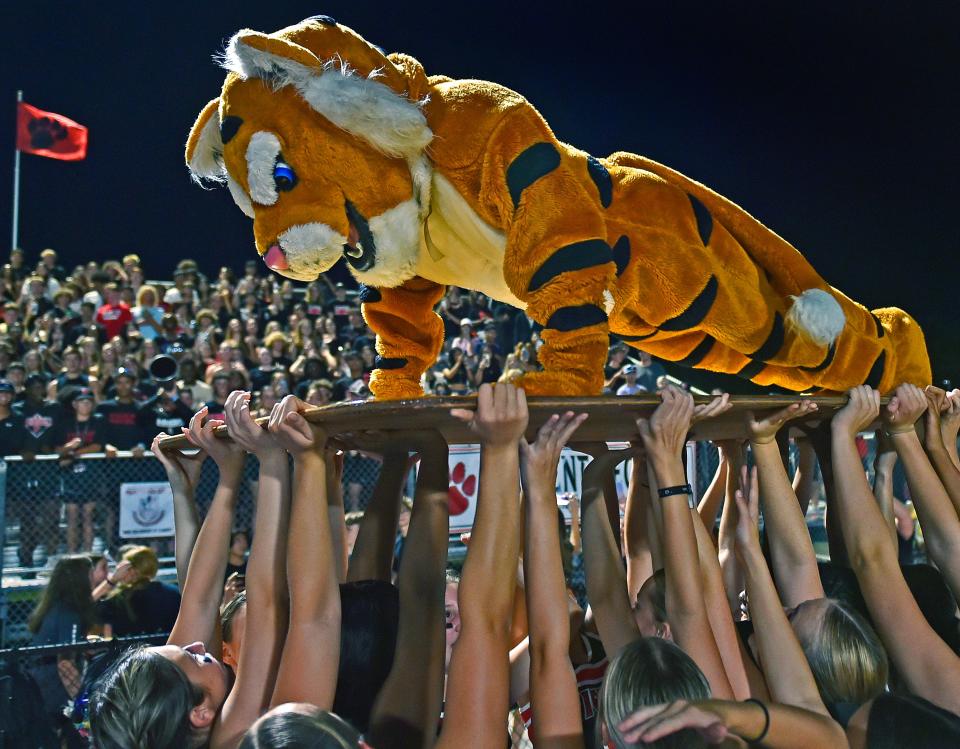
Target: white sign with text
146	510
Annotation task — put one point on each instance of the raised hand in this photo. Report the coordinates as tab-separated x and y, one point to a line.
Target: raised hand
748	506
183	471
950	418
720	404
764	429
904	408
243	429
665	433
225	453
292	431
648	724
501	416
862	409
538	461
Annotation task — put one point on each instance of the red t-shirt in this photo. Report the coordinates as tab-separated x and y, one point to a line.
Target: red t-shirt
114	318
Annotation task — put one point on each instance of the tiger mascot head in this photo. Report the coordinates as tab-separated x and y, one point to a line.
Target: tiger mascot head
320	138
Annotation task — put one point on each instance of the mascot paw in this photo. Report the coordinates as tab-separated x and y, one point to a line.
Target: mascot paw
394	388
558	383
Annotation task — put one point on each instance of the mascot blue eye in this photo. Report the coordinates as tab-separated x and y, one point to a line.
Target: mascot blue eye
284	177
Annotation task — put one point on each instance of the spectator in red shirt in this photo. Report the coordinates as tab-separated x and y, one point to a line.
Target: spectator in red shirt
114	315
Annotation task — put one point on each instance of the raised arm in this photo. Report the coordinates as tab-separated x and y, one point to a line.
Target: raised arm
785	667
554	698
637	528
183	472
805	484
407	711
372	557
771	725
664	436
478	681
336	516
794	561
605	576
311	653
267	594
937	515
950	425
883	465
930	668
936	447
199	614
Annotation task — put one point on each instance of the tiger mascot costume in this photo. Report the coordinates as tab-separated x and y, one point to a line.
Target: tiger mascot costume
336	149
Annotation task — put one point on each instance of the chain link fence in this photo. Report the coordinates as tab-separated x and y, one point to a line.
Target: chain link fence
48	510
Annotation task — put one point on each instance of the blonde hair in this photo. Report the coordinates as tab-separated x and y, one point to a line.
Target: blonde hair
144	290
847	658
650	671
144	560
144	702
276	337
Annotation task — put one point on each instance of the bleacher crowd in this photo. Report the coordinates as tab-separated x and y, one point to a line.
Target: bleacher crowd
708	618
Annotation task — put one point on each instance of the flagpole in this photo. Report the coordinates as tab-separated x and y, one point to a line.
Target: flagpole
14	234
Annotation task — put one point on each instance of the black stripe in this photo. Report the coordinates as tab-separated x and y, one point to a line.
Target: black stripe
831	352
573	318
880	330
229	127
751	370
698	309
876	371
383	362
699	352
601	178
577	256
621	254
773	343
537	161
704	220
635	338
368	294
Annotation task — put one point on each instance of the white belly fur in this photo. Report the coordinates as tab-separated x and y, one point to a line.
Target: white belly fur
456	244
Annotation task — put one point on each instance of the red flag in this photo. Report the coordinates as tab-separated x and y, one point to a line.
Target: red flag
48	134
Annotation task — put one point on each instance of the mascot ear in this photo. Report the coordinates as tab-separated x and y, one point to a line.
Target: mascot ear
251	54
204	146
364	106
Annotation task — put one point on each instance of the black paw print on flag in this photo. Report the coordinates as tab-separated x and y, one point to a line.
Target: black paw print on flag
44	132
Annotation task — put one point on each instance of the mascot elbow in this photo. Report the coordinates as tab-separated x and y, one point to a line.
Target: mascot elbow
818	315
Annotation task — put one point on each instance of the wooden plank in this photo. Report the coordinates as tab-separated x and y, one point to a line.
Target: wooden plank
610	418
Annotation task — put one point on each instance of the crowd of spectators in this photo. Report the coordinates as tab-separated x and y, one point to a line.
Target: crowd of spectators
76	350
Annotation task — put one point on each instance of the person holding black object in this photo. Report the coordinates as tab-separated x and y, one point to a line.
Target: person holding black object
165	412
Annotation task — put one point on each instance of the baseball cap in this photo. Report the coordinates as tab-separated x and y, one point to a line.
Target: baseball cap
630	369
35	377
173	296
84	394
466	321
6	387
124	372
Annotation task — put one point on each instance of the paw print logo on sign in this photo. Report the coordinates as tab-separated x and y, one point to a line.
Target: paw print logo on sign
463	488
44	132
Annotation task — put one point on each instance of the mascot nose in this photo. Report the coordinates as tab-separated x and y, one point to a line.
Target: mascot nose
275	259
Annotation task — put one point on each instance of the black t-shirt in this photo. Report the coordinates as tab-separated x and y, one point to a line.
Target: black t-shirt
214	409
88	432
11	435
120	424
152	608
153	418
39	421
64	381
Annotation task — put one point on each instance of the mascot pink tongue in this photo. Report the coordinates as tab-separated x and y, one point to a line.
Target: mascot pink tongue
450	182
275	259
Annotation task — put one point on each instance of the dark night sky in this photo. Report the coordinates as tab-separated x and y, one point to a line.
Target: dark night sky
834	123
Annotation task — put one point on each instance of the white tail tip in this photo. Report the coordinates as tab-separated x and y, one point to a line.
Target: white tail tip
818	315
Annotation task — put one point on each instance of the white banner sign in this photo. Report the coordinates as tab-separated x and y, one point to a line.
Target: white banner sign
465	472
146	510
